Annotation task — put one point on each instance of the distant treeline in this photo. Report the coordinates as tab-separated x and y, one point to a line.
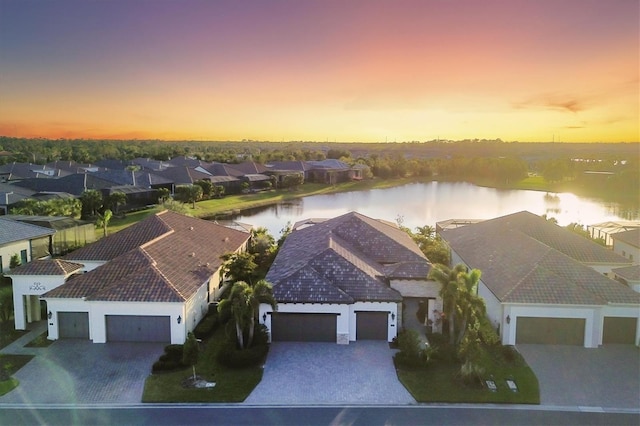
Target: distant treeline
479	161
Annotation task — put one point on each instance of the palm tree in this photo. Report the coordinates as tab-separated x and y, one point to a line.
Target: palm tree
469	305
238	306
243	304
104	219
262	292
449	291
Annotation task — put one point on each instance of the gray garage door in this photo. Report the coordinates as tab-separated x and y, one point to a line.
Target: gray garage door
287	327
138	328
550	331
371	325
73	325
619	330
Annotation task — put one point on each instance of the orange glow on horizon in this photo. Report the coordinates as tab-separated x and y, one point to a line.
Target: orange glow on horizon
421	70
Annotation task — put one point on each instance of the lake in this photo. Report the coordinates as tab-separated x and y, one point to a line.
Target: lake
420	204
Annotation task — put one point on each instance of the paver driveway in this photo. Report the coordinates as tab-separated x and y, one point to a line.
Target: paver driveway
326	373
607	377
81	372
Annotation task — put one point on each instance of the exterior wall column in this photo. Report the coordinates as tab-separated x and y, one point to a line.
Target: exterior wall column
18	310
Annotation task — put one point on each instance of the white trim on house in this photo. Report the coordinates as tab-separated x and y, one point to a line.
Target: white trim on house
27	290
588	313
392	321
422	289
99	310
346	316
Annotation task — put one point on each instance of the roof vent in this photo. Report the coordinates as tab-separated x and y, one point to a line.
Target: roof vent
226	239
191	228
192	255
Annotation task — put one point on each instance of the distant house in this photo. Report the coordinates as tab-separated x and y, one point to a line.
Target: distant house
23	239
332	171
150	282
627	244
545	284
629	276
345	279
20	171
11	196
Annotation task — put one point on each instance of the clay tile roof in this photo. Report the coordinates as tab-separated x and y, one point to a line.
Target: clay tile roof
12	230
47	267
165	258
630	273
117	244
631	237
517	267
352	253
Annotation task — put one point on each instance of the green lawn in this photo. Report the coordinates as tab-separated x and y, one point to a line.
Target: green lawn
232	385
439	382
10	364
235	203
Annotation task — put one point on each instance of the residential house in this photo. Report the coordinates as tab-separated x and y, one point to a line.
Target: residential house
629	276
545	284
627	244
345	279
19	171
332	171
152	281
27	241
11	196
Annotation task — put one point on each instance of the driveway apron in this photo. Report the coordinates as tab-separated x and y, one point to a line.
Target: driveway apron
326	373
81	372
606	377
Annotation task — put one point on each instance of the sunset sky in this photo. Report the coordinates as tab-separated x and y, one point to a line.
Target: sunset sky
366	70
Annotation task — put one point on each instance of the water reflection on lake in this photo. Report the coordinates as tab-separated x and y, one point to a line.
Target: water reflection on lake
427	203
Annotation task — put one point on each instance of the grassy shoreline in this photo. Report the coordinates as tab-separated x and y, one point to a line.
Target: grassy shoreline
233	204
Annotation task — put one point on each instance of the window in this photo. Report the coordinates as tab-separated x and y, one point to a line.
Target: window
631	257
1	269
23	256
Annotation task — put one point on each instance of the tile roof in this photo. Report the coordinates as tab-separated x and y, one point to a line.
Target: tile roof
12	230
135	178
117	244
631	273
74	184
177	256
328	164
518	268
47	267
631	237
18	171
300	166
182	175
351	254
573	245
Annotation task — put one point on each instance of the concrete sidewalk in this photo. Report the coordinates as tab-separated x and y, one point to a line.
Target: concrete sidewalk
17	347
